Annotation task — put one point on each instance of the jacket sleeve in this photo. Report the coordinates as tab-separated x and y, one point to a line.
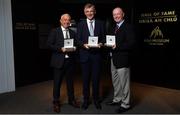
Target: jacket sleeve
51	42
103	36
129	40
79	35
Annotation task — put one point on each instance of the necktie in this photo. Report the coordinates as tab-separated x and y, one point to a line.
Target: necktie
91	30
116	28
66	34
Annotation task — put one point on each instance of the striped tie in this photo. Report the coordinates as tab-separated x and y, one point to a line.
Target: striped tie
116	28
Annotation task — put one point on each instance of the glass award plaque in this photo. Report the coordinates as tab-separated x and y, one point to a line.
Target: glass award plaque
110	40
93	41
69	44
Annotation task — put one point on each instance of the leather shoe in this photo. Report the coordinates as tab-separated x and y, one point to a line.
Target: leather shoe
113	103
56	107
97	105
84	106
74	103
122	110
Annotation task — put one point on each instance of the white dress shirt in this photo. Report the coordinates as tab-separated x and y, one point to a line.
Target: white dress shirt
64	32
93	23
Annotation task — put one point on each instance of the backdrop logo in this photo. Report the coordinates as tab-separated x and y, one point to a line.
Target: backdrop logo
156	33
156	37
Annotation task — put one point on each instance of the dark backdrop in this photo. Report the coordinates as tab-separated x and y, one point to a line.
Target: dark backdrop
33	20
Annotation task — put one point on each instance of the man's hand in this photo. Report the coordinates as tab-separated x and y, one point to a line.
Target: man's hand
114	46
63	49
100	45
74	49
86	46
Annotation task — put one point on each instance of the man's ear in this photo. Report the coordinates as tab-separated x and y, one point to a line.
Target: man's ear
60	21
123	14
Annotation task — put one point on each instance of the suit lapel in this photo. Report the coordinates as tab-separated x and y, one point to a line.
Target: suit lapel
70	34
121	27
60	37
86	27
95	28
60	33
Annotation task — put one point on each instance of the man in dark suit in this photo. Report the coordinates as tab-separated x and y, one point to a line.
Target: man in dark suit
120	54
90	57
62	61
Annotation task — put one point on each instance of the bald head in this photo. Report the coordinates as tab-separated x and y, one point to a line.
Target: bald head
118	14
65	20
65	16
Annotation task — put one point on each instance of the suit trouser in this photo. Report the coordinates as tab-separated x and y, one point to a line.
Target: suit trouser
59	74
91	69
121	84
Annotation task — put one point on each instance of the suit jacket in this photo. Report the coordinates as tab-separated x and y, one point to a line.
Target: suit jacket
125	40
56	42
82	38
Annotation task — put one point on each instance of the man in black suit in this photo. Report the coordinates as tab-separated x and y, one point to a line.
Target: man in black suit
62	61
120	54
90	57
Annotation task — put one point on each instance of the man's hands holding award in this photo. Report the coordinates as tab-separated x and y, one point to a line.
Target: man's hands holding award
92	42
110	41
68	46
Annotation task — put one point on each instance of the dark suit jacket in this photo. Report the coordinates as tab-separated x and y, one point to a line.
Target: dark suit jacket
125	41
82	38
56	42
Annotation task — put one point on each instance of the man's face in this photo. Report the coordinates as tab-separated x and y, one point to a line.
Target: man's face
118	15
65	21
90	13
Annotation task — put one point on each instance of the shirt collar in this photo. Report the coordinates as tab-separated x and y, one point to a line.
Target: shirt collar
90	20
120	23
63	29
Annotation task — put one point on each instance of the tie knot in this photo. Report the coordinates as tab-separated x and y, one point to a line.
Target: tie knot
91	21
117	26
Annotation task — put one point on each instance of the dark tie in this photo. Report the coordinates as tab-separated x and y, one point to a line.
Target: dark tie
116	28
66	34
91	30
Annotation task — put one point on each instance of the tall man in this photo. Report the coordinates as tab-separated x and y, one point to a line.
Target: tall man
90	58
62	61
120	66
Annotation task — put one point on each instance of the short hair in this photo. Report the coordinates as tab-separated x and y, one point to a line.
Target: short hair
66	14
89	5
119	8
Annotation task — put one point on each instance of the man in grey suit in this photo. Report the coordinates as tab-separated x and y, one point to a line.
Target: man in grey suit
62	61
120	54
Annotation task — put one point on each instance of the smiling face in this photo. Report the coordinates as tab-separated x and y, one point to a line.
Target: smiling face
89	11
118	15
65	20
